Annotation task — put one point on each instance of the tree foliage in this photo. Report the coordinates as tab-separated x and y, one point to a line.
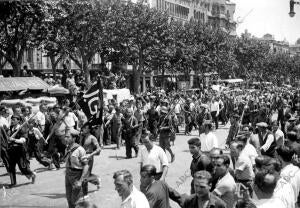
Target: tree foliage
135	34
21	27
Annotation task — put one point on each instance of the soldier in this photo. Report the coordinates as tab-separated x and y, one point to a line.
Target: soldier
4	152
153	118
166	128
139	114
117	127
188	117
91	146
130	127
203	115
35	143
234	128
107	130
17	152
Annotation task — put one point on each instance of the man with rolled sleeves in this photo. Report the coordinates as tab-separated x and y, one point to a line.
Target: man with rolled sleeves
76	168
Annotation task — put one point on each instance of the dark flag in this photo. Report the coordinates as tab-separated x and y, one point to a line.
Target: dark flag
92	103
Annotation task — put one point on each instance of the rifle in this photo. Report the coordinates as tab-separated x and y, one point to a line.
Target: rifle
241	119
21	126
168	114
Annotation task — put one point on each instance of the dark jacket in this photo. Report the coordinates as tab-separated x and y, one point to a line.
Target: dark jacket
158	195
192	202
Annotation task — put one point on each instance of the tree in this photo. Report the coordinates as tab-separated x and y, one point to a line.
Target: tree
21	27
83	30
280	65
138	29
250	55
53	44
3	61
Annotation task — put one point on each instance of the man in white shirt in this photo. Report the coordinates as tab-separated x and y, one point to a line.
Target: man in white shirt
215	110
177	108
208	139
249	150
71	120
3	120
131	197
289	175
279	135
41	118
243	166
152	154
226	186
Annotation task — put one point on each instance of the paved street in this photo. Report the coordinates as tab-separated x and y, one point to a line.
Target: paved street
48	191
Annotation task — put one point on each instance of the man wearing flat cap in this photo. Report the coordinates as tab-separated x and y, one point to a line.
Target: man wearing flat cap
266	139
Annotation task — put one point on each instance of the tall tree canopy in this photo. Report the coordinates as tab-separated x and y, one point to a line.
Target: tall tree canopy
22	25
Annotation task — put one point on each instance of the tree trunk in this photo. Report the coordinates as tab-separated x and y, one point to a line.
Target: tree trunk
2	64
86	72
16	69
53	65
163	80
136	79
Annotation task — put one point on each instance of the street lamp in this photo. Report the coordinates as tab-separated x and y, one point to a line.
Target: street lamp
292	4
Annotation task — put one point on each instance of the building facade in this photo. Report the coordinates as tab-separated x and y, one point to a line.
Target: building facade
218	13
276	46
295	50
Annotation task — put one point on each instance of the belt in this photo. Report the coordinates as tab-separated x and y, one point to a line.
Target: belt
75	169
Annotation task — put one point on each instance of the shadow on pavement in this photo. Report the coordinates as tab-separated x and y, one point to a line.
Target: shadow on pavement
40	170
6	174
117	157
16	186
51	195
109	147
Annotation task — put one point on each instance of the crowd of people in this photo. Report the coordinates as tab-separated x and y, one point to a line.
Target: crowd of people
258	166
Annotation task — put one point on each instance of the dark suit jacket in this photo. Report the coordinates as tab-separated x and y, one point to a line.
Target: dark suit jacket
192	202
158	195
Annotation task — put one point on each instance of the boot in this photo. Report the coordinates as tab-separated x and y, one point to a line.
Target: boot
13	180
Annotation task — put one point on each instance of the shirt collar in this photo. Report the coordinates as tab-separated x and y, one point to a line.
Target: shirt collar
130	195
196	157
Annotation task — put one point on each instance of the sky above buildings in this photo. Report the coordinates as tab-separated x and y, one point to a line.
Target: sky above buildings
268	16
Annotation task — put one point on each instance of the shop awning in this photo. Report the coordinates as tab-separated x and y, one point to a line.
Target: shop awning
22	83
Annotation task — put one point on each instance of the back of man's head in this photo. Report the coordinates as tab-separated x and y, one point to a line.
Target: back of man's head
266	183
286	153
149	169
